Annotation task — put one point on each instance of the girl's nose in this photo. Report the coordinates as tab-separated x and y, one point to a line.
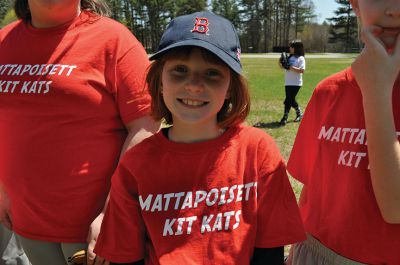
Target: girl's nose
393	10
195	84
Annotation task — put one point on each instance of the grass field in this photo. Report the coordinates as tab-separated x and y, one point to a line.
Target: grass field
266	81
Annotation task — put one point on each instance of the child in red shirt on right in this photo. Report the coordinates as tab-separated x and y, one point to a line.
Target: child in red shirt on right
347	152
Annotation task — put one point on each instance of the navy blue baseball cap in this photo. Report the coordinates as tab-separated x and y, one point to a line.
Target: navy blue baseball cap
204	30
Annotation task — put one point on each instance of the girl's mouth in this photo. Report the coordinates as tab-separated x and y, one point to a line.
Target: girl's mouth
390	31
388	36
192	102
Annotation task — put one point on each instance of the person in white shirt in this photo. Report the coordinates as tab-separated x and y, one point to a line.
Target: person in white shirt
294	80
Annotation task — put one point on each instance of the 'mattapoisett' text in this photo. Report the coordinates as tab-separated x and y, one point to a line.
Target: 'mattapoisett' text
347	136
9	72
229	220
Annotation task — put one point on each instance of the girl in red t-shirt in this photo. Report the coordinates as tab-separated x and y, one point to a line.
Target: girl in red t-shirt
74	85
206	190
347	152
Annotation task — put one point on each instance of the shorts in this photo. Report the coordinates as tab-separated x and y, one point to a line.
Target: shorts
313	252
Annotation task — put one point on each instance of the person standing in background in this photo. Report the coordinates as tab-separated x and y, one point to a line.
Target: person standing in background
293	80
73	99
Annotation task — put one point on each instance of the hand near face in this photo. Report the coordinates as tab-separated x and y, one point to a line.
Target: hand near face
378	66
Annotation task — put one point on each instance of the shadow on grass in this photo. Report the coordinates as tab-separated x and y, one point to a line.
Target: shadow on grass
269	125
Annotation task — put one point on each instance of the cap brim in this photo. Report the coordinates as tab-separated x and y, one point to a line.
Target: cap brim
232	63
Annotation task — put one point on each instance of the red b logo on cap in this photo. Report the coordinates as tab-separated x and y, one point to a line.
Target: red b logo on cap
201	25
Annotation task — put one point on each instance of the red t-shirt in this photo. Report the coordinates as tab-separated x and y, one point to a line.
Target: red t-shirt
65	95
211	202
330	157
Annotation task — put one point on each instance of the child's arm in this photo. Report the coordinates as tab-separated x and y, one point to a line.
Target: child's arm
376	71
296	69
270	256
138	130
300	68
123	231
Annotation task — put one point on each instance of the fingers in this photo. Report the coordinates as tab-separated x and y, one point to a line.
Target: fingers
396	51
91	256
374	40
90	261
100	261
97	260
369	36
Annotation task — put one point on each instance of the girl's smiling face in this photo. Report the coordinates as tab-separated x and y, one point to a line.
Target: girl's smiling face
194	90
382	13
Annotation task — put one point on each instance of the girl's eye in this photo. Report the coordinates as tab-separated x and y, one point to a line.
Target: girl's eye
180	69
213	73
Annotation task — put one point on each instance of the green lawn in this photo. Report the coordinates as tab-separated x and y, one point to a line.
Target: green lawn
266	81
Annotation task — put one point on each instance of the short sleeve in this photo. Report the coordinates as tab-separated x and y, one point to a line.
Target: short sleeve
305	148
122	235
133	98
302	63
278	218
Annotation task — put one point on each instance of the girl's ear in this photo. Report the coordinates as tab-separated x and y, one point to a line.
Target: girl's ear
230	88
354	5
228	94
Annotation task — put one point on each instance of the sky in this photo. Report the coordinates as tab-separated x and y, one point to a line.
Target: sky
324	9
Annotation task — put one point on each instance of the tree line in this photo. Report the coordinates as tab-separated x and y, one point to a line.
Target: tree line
263	25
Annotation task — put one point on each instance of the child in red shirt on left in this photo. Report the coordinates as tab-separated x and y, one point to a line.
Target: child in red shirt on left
207	189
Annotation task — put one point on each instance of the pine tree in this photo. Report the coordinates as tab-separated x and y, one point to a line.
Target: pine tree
228	9
5	5
184	7
344	28
304	13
